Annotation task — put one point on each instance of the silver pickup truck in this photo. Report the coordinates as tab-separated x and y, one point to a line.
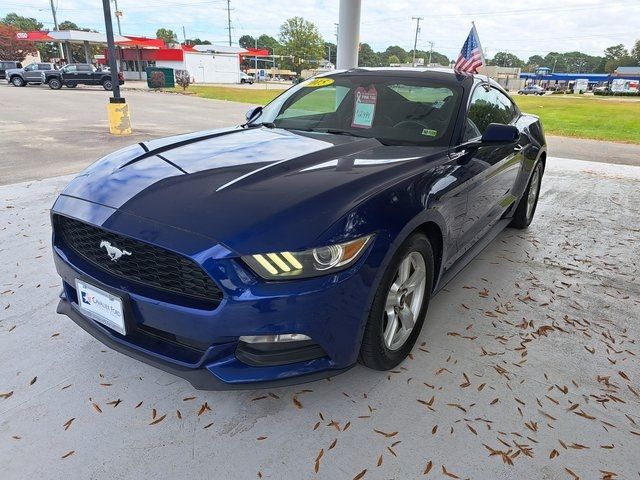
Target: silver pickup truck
32	73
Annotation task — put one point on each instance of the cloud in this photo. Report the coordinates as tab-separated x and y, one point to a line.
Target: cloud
521	27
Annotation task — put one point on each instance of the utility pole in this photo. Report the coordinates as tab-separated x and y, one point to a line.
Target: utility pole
184	35
118	14
415	41
55	25
229	19
430	51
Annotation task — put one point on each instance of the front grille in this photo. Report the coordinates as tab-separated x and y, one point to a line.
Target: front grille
148	265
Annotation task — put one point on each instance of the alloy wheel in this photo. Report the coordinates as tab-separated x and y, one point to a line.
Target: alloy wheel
404	300
534	188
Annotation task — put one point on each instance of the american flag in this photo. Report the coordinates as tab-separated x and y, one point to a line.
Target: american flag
471	57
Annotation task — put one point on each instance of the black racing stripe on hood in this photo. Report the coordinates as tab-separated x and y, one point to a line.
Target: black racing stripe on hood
150	153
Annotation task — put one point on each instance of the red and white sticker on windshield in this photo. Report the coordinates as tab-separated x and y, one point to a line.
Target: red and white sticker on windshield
365	107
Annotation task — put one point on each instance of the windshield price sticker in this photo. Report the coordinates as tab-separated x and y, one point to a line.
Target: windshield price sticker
365	107
320	82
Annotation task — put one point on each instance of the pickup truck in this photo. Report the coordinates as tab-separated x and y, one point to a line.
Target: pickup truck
32	73
8	65
75	74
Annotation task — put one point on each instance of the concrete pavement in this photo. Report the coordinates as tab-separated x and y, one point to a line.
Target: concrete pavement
527	368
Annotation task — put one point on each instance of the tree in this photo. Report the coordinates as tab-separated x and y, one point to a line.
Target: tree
399	53
615	52
197	41
505	59
167	35
47	50
393	59
331	52
268	42
438	58
535	62
247	41
10	47
301	39
20	23
367	57
635	52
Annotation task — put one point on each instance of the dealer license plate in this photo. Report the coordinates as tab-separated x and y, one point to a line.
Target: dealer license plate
101	306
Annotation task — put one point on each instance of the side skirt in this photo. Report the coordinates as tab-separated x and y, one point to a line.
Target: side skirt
471	254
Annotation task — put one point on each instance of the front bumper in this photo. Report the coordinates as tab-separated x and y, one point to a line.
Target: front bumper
202	345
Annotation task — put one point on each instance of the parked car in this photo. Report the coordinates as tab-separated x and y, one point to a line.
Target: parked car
244	78
8	65
75	74
531	90
305	240
31	74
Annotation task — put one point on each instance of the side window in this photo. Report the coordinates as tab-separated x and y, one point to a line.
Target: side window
487	106
84	68
69	69
43	66
30	68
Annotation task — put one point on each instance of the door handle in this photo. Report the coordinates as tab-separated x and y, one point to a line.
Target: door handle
517	148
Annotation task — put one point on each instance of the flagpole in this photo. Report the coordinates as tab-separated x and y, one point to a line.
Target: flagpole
475	32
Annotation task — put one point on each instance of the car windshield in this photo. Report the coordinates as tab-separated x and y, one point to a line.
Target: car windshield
396	110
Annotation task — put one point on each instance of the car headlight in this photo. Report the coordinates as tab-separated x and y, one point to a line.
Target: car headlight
310	263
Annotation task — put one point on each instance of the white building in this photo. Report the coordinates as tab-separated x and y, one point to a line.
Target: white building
206	63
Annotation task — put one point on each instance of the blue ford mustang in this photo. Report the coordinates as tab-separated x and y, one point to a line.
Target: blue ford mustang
310	238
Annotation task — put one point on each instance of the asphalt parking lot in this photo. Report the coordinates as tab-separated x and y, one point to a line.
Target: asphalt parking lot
527	366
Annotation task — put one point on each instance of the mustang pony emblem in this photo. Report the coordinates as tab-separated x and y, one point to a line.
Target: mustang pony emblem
114	252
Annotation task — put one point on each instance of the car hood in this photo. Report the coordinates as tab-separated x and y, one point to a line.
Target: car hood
246	187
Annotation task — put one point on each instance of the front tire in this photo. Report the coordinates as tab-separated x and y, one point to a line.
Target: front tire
55	84
17	82
527	207
399	306
107	85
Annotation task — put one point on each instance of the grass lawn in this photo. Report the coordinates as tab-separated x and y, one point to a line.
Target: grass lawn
253	96
600	118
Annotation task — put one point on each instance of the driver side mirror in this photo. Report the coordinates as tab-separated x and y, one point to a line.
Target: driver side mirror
497	133
253	113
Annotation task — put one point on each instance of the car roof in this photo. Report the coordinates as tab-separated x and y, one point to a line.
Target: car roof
446	75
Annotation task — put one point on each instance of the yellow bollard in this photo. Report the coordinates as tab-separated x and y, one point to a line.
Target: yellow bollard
119	117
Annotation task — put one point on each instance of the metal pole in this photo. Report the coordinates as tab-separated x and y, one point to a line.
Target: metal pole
256	60
415	41
348	33
118	17
184	35
113	65
430	51
55	25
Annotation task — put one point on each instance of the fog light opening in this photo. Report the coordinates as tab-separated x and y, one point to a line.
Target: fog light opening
288	337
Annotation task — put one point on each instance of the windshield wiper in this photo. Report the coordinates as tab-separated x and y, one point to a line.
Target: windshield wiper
337	131
260	124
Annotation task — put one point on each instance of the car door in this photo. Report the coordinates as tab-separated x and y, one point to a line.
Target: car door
69	74
31	73
85	74
492	169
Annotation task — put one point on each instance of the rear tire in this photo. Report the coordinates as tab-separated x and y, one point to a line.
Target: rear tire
71	85
107	85
387	341
55	84
17	81
527	207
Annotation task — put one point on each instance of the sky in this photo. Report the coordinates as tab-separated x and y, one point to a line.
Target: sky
523	28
